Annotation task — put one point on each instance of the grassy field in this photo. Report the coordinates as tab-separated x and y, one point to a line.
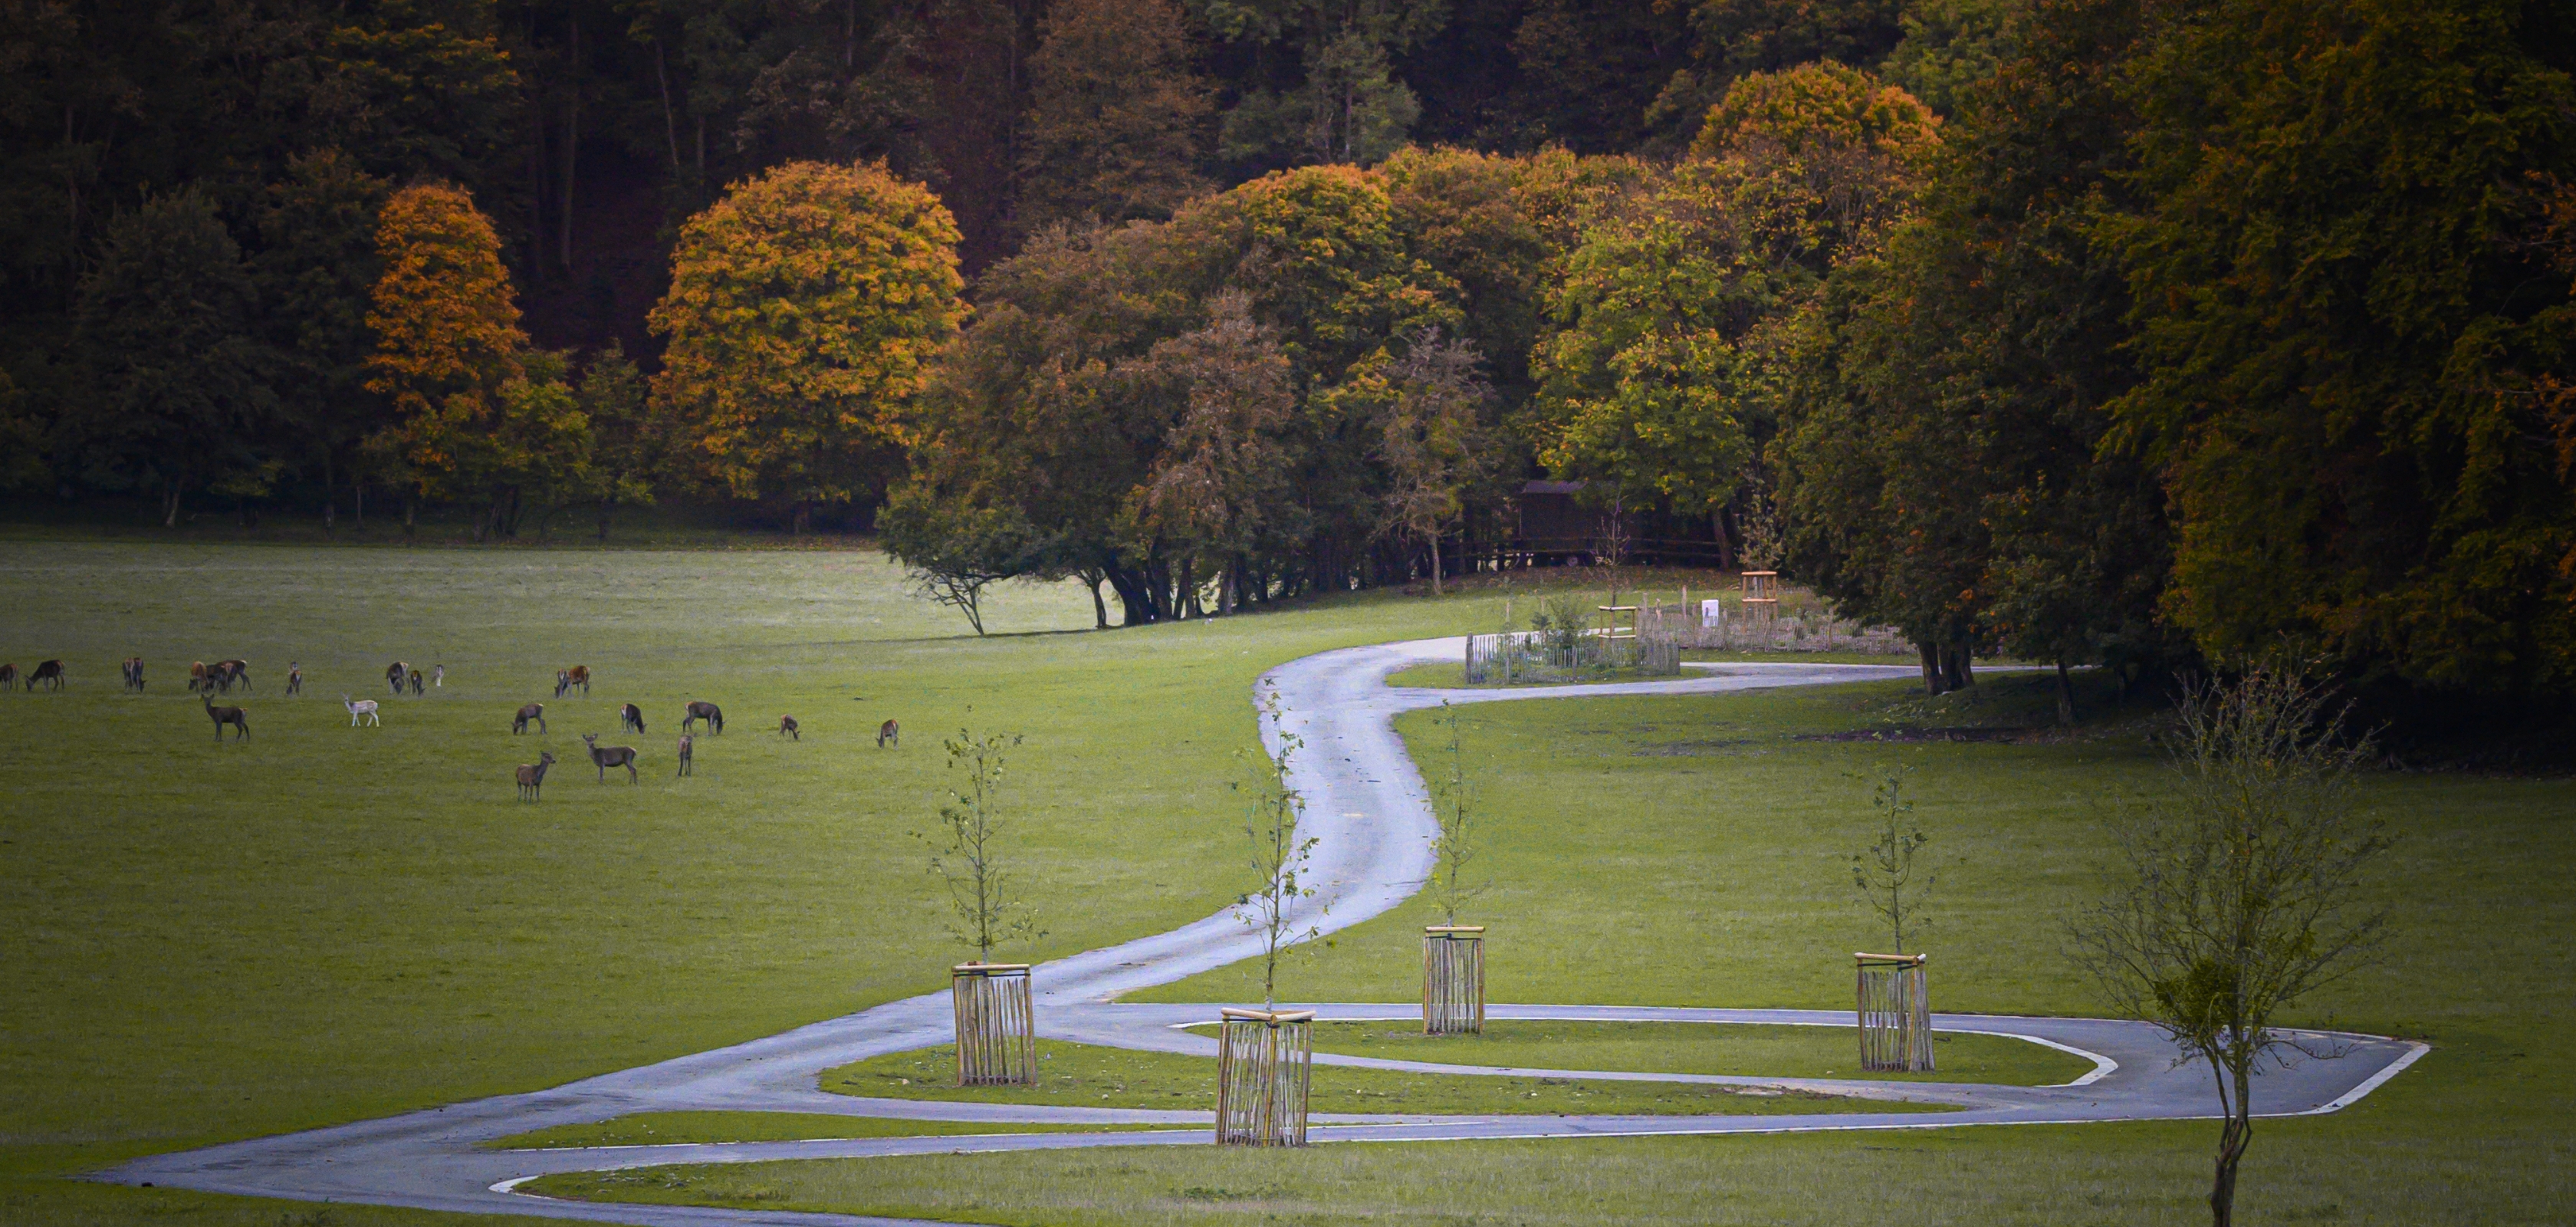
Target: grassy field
676	1128
207	941
1697	1048
1083	1076
1695	851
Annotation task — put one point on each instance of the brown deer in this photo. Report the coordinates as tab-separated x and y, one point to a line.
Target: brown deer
48	671
687	764
709	712
8	677
133	670
605	757
234	671
579	675
197	677
294	678
787	728
533	711
630	719
532	776
225	715
890	734
415	683
394	676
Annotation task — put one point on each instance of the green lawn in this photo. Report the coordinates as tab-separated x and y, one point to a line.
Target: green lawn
1699	1048
1694	851
676	1128
209	941
1084	1076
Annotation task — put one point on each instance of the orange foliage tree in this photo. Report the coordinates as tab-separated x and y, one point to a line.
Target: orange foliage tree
803	307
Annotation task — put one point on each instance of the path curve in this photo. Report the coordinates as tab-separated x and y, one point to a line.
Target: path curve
1370	814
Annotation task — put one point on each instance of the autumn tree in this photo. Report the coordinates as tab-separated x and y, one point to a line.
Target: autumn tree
803	309
1115	114
447	342
1221	481
1433	412
168	333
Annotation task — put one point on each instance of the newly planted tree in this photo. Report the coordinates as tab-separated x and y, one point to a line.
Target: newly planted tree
1453	955
1887	872
996	1023
1895	995
1264	1055
2244	892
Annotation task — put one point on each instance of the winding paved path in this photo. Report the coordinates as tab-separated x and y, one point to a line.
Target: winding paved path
1369	812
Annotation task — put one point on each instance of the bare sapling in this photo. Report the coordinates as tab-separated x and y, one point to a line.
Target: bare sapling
1455	847
967	850
1889	872
1272	814
2243	891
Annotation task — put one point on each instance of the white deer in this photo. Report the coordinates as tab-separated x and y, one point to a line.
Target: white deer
360	707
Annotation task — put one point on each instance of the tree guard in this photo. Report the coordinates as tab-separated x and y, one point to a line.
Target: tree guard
1453	980
1895	1013
1263	1061
996	1043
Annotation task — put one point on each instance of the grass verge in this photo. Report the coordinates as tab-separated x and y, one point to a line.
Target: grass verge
1700	1048
686	1128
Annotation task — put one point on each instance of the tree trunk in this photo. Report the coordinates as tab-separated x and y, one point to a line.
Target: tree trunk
170	507
607	509
1725	545
802	521
1099	610
330	496
2232	1141
358	500
1134	609
1954	669
1225	590
670	125
1931	657
2065	695
1435	564
411	514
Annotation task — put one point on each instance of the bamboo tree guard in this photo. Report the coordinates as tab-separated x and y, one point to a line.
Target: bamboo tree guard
1264	1059
996	1043
1895	1013
1453	980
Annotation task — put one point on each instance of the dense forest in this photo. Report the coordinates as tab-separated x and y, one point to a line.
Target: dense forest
2091	331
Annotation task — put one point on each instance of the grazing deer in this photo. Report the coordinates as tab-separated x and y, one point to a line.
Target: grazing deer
579	675
8	677
197	676
133	670
294	678
687	764
605	757
890	734
708	712
533	711
223	716
361	707
394	676
563	682
630	718
532	776
787	728
48	671
415	682
438	676
234	671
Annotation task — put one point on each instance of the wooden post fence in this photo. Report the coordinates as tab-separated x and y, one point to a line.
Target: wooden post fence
996	1026
1453	980
1895	1013
1263	1064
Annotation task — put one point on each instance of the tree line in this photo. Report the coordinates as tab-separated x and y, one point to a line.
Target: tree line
2085	330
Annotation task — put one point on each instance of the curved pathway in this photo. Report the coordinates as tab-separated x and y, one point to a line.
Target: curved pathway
1371	817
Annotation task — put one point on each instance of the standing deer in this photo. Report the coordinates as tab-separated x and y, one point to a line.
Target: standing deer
630	718
890	734
532	776
787	728
438	676
48	671
294	678
133	670
223	716
234	671
8	677
687	764
361	707
708	712
605	757
415	682
197	677
394	676
533	711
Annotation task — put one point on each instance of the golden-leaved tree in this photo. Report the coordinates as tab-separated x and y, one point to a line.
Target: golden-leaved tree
471	419
803	308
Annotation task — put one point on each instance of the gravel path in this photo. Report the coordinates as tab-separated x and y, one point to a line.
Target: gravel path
1368	809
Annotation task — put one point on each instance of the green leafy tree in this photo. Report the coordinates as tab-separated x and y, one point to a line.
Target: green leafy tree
628	453
168	329
317	273
803	310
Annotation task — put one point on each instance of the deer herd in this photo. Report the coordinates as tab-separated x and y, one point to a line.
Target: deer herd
208	680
